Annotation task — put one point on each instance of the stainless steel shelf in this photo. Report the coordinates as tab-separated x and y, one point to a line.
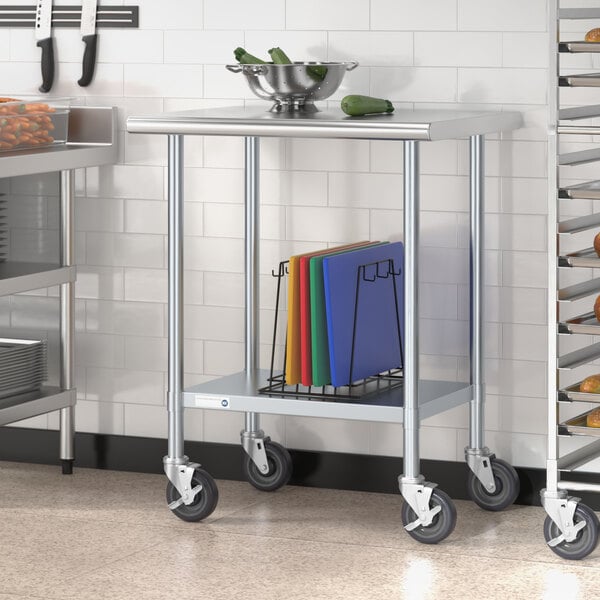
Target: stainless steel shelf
572	394
234	393
579	46
584	191
585	324
584	258
402	124
577	426
92	142
579	224
24	406
16	277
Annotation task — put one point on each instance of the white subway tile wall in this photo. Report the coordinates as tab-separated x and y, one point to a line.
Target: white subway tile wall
433	53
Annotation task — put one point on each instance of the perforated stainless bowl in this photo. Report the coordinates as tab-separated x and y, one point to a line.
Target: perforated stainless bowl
294	87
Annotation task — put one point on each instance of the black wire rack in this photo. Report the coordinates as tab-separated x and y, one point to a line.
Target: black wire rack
365	274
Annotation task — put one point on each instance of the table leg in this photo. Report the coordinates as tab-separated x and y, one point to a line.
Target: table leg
67	318
175	313
252	436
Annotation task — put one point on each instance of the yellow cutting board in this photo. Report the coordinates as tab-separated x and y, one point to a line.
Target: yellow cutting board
292	349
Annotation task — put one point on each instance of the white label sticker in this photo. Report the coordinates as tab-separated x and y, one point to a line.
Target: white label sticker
212	401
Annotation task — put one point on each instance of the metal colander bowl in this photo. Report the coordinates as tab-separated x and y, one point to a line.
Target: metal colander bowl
296	86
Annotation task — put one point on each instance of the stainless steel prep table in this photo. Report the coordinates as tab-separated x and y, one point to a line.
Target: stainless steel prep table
92	141
428	514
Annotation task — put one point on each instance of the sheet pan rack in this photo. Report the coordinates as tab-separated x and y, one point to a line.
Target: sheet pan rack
571	528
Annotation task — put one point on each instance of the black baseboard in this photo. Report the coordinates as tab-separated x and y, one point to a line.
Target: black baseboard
312	469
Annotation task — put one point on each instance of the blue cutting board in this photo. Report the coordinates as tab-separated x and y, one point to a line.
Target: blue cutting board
376	346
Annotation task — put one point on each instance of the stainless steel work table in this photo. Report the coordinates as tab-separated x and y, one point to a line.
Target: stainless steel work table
428	514
92	141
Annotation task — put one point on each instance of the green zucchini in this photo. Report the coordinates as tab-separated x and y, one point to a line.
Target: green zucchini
246	59
356	105
279	56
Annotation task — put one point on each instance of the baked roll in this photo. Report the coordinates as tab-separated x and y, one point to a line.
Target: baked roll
590	385
593	418
593	35
597	308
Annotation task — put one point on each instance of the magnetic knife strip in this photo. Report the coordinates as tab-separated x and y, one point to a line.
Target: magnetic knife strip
70	16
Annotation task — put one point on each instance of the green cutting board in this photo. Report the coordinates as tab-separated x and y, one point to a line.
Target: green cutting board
321	373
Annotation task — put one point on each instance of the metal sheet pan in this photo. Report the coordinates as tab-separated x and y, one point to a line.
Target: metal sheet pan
583	258
573	394
587	324
577	426
579	46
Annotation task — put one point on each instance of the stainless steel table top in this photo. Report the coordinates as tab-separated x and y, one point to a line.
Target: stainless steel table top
419	125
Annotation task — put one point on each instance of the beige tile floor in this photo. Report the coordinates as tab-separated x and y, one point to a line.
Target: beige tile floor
108	535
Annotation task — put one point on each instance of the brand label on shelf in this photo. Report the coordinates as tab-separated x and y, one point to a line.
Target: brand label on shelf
213	402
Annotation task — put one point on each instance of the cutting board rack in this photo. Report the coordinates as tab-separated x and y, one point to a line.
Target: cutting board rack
379	382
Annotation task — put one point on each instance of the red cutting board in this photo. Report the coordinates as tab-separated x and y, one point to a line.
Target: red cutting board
304	306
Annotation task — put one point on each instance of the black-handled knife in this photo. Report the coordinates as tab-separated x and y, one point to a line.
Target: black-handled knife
43	35
90	39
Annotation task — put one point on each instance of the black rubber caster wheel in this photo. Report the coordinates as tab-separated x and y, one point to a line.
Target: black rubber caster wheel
585	542
67	466
507	487
204	503
442	525
280	468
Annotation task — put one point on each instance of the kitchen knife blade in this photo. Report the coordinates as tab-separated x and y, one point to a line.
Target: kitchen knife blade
90	39
43	35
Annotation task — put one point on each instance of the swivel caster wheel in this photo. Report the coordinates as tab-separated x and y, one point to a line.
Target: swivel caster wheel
586	540
443	522
204	503
280	468
507	487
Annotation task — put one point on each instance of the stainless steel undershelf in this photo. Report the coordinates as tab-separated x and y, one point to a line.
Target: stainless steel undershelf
16	277
92	142
425	125
48	399
233	393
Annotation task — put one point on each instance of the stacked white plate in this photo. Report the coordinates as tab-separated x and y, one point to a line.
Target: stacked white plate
23	366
